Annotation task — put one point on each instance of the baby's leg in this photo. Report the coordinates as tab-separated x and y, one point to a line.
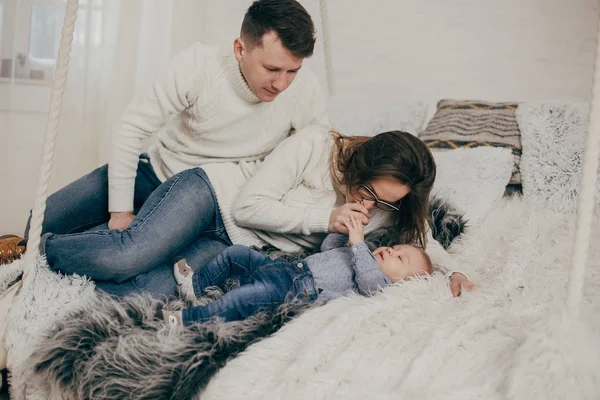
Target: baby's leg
272	285
235	305
236	262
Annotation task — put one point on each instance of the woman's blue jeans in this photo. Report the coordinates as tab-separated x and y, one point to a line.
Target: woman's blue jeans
178	218
160	282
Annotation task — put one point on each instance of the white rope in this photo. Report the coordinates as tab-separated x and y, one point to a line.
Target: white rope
58	90
327	45
587	191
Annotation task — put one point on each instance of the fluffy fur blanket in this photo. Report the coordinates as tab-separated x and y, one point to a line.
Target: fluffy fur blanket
508	339
123	350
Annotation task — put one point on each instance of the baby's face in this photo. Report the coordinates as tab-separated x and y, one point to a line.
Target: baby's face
401	261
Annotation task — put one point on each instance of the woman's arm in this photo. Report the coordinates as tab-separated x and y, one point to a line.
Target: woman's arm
260	203
444	263
441	260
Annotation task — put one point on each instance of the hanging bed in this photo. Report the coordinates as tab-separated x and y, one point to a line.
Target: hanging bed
530	330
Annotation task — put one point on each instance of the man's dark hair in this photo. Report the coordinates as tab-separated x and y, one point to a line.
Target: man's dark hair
287	18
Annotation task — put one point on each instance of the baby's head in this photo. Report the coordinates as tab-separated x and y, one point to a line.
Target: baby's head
403	261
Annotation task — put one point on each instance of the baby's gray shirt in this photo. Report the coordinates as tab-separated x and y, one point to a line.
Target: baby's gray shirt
343	270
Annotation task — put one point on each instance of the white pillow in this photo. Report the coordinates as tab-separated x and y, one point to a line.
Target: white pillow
473	179
366	117
553	135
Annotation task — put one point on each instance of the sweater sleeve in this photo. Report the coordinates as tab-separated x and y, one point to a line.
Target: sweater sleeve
311	104
442	261
369	277
334	241
169	96
259	204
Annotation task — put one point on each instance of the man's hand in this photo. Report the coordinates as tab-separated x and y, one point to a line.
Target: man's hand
356	230
458	282
120	220
341	216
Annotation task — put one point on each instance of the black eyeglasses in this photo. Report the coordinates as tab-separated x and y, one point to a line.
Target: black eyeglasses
367	194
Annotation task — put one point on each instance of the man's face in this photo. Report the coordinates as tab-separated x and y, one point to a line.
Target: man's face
268	69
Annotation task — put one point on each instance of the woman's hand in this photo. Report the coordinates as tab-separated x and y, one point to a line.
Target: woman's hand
458	282
341	215
356	230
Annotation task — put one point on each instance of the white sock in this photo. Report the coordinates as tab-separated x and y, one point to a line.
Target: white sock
183	275
172	318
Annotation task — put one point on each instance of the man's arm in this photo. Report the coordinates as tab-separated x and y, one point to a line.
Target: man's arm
169	96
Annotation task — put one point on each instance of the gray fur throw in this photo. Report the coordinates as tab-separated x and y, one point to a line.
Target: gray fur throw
123	350
445	221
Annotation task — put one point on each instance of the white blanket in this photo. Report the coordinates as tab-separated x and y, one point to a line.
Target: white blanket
45	298
508	339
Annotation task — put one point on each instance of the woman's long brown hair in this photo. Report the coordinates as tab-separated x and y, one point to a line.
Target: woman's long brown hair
358	160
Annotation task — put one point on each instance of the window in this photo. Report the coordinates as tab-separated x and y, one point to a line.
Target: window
30	35
44	33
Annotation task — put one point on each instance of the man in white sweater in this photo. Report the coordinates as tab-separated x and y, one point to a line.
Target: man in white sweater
220	111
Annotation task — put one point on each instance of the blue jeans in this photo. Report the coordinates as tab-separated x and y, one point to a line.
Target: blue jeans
83	204
180	218
160	282
264	285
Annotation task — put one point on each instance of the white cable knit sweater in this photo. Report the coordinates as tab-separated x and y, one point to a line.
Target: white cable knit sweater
288	201
212	120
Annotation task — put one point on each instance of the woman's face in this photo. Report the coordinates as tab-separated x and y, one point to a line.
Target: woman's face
387	190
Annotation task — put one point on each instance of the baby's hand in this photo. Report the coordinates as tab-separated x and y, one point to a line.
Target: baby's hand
356	230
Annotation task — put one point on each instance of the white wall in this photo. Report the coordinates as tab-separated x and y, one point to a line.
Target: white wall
511	50
484	49
21	141
497	50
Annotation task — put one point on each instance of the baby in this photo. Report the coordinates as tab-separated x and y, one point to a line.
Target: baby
266	283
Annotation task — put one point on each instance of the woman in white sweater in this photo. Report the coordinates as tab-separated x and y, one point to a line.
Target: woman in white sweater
309	186
312	184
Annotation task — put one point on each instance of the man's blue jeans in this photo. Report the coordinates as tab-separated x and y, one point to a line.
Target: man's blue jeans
83	204
178	218
264	285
